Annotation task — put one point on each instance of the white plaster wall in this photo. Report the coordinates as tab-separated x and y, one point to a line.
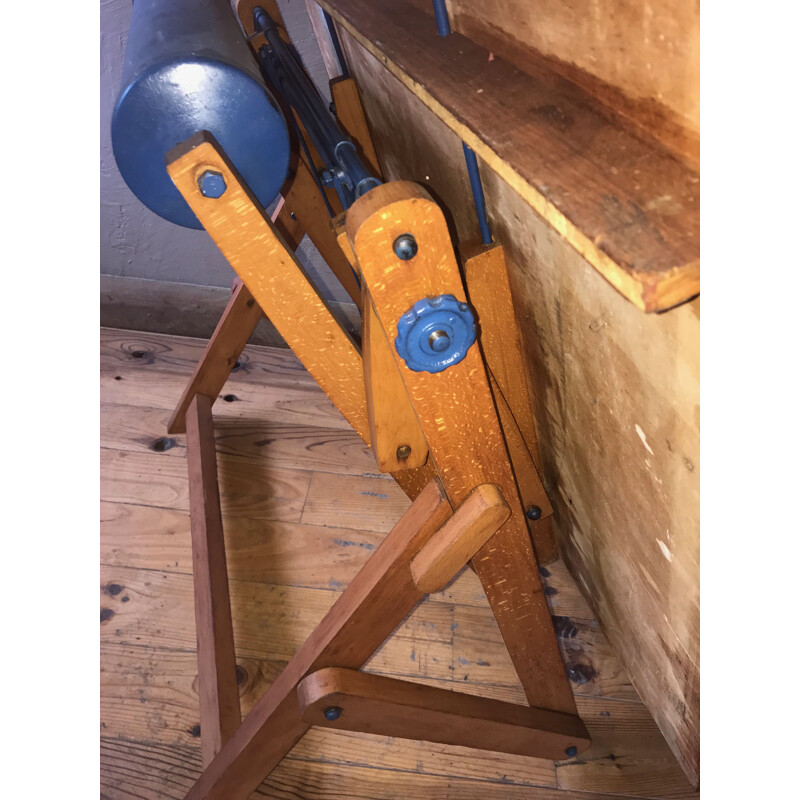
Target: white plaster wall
137	243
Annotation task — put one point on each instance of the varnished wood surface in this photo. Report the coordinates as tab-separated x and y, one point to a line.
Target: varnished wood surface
220	714
627	205
617	406
457	414
267	266
286	570
408	710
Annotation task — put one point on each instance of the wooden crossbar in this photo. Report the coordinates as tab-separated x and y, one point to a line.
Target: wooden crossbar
343	699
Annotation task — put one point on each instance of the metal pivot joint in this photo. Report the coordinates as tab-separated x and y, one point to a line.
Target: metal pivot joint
435	333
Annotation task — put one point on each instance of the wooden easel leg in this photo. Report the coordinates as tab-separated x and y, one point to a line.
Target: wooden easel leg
489	292
456	411
267	266
220	715
366	613
426	548
234	329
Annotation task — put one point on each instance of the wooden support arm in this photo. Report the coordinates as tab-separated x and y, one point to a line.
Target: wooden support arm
267	266
344	699
475	522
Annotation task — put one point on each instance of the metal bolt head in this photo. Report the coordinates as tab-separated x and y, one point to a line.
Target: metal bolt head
534	513
571	752
333	713
403	451
439	341
211	184
405	247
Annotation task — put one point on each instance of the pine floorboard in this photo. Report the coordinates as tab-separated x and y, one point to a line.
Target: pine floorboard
303	507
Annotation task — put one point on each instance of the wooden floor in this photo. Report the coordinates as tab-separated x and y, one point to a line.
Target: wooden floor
303	509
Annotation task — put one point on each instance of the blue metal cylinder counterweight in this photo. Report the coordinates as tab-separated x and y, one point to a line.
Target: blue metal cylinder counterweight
187	69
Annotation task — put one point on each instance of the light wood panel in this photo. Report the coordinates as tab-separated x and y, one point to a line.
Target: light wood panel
641	59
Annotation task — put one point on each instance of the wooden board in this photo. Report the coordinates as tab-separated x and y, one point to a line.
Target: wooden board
216	661
617	411
641	59
277	281
350	115
389	707
626	205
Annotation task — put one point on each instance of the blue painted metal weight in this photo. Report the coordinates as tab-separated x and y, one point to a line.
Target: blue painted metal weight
435	333
188	69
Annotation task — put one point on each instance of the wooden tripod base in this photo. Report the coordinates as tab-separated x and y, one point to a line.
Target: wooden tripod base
426	548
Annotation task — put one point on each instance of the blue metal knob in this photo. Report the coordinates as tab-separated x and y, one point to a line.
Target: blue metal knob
435	333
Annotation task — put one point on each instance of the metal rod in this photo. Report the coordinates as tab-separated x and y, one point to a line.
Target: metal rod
442	20
477	193
344	169
337	46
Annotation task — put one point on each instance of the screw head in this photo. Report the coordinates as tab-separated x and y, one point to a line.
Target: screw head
571	752
534	513
439	341
403	451
405	247
211	184
333	713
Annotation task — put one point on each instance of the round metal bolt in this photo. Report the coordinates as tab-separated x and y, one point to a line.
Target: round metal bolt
439	341
333	713
405	247
211	184
571	752
404	451
534	512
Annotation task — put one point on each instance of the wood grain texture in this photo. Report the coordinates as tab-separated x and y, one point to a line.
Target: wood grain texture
277	281
304	200
489	292
626	205
389	707
369	609
475	521
235	327
284	578
350	114
617	411
531	491
392	422
640	59
216	661
457	415
133	771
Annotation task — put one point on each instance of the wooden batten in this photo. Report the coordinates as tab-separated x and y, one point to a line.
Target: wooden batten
358	701
218	690
250	241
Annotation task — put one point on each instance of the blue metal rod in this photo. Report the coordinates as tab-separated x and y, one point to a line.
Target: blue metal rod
477	193
442	20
